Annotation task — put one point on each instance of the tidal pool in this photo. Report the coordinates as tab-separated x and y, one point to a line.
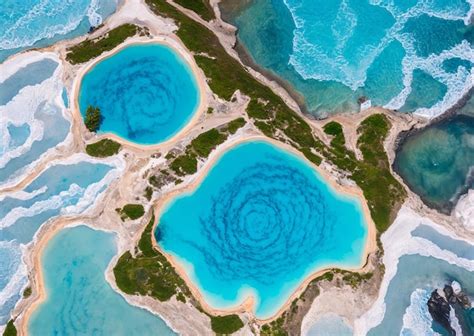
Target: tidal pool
78	299
146	93
437	162
261	222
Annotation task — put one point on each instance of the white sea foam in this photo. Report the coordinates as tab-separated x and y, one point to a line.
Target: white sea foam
398	241
21	109
20	33
313	61
417	319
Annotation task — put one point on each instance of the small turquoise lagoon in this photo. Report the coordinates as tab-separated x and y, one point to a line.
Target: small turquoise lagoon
78	299
405	55
261	222
437	162
146	93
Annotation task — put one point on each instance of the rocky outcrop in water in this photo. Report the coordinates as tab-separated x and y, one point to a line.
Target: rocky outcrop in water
439	309
440	302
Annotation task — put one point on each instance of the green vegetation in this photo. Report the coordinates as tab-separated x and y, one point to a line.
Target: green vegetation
227	324
103	148
274	328
131	211
93	118
335	129
202	146
90	49
200	7
150	273
10	329
276	120
148	193
27	292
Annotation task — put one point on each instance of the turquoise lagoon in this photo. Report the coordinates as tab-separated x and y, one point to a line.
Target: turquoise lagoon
146	93
38	23
63	189
437	162
260	223
407	55
78	299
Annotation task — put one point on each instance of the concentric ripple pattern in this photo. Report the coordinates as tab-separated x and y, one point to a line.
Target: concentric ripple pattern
260	223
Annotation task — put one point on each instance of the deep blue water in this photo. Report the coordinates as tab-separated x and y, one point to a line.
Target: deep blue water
79	300
146	93
436	162
38	23
260	222
335	51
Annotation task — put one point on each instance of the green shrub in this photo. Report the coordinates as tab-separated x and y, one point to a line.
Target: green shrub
93	118
133	211
10	329
103	148
227	324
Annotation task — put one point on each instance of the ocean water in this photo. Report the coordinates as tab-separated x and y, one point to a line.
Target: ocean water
331	52
419	259
39	23
437	162
146	93
260	223
33	118
410	289
62	189
79	300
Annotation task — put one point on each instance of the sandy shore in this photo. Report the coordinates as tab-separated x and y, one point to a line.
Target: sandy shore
174	45
248	303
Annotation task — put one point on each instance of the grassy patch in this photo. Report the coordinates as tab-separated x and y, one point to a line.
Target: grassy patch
200	7
335	129
103	148
93	118
10	329
148	193
90	49
227	324
149	273
274	328
27	292
132	211
202	146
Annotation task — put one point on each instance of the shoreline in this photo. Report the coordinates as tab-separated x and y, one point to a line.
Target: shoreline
247	304
176	47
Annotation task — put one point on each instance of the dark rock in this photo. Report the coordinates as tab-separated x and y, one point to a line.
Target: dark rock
449	293
439	309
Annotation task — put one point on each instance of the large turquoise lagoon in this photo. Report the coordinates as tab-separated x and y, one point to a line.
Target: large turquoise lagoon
146	93
78	299
407	55
260	223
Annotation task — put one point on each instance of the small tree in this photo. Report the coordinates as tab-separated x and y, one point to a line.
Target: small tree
93	118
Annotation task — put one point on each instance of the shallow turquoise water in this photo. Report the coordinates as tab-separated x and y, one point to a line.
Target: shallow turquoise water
79	300
260	222
436	162
38	23
332	52
59	190
146	93
422	274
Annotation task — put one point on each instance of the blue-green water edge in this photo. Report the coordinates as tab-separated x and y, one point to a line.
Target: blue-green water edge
260	223
79	301
146	93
